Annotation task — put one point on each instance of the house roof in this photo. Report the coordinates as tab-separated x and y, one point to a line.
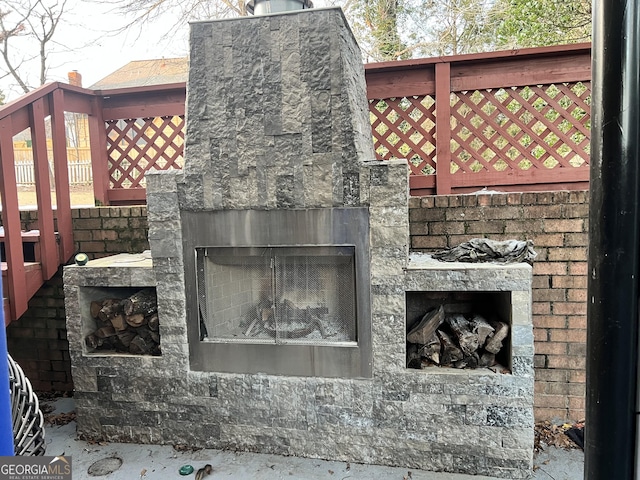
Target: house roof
141	73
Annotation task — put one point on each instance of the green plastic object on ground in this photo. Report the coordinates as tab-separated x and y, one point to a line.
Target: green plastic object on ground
185	470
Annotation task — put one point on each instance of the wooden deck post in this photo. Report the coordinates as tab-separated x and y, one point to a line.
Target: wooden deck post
58	132
16	275
99	160
48	246
443	128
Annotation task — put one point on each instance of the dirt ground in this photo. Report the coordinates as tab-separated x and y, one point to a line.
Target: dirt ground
81	195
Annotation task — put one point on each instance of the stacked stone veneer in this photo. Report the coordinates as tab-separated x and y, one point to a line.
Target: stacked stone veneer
474	422
277	116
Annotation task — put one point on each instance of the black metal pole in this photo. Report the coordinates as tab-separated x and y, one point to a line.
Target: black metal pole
614	244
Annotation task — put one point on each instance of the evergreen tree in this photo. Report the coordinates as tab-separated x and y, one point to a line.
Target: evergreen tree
533	23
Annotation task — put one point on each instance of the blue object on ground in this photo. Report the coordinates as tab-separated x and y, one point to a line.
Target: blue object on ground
6	430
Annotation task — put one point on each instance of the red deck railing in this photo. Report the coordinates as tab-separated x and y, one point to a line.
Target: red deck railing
504	120
143	129
55	244
122	149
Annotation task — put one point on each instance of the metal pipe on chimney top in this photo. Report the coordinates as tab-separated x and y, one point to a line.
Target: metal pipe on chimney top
265	7
612	400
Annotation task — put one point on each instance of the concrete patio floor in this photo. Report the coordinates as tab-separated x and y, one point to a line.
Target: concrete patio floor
148	462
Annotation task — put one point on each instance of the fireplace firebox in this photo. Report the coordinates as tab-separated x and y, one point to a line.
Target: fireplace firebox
280	291
277	295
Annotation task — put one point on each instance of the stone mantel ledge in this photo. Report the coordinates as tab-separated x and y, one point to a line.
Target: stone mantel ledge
121	270
123	260
424	271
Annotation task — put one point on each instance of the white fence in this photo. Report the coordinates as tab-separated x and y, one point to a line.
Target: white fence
78	162
79	172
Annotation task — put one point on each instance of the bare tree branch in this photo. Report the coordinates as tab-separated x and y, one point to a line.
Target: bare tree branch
35	19
394	29
6	34
145	11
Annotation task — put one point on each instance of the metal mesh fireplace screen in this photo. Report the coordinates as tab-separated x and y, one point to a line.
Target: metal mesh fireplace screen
280	295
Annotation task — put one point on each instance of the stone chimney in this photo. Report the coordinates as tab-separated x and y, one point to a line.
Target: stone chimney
277	115
75	78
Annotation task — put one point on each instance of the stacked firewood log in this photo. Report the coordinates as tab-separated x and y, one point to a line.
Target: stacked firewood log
128	325
455	340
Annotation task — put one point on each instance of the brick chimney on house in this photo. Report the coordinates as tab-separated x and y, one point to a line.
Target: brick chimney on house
75	78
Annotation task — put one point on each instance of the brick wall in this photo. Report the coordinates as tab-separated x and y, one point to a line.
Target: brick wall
38	340
557	222
102	231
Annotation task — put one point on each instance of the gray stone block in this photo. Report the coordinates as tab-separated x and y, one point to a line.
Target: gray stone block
191	196
379	175
351	186
85	379
508	416
522	365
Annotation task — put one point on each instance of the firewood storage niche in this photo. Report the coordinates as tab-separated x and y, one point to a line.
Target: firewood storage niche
279	292
492	308
120	320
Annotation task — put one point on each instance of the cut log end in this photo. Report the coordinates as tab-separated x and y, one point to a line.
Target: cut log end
144	302
427	326
136	333
494	343
450	352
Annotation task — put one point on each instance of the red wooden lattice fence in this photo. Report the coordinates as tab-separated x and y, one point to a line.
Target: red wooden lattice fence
405	128
135	146
506	120
144	130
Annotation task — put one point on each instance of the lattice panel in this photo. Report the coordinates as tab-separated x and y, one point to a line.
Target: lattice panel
520	128
137	145
405	128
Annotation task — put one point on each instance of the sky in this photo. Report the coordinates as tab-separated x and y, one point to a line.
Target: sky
86	41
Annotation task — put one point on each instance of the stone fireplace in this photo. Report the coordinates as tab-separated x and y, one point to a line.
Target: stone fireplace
284	281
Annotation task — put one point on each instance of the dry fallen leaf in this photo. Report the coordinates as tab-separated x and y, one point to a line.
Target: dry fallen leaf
186	448
143	472
548	434
60	418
